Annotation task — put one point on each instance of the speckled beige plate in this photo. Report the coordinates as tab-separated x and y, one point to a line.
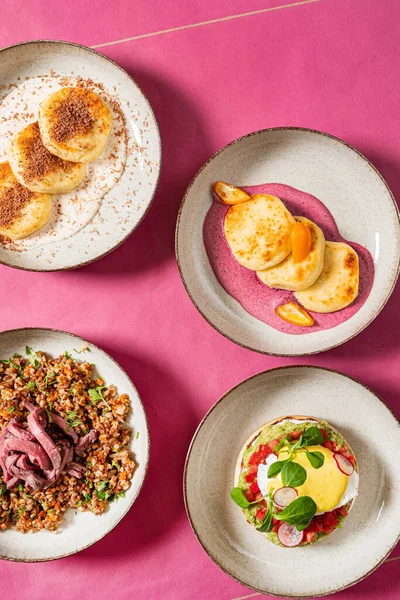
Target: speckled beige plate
371	530
99	215
79	530
319	164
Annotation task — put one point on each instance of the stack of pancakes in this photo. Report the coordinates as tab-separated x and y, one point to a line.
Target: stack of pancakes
258	230
49	157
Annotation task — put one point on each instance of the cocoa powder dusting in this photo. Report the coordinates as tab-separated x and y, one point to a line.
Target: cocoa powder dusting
12	202
71	117
40	160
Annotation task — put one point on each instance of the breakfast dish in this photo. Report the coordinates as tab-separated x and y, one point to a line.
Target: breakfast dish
39	170
22	211
286	254
296	480
328	551
72	398
63	441
331	189
75	125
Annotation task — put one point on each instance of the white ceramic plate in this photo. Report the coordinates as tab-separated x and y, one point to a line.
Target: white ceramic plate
371	530
314	162
99	215
78	530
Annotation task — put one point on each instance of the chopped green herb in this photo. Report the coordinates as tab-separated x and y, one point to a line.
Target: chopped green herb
46	379
50	405
87	497
31	385
72	419
122	495
5	362
102	485
102	495
115	464
67	354
11	409
16	355
137	434
3	490
21	487
50	420
28	350
43	504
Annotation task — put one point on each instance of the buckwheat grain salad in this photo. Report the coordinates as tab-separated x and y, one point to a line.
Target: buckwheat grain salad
63	441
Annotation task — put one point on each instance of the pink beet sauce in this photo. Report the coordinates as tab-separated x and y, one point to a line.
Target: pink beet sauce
255	297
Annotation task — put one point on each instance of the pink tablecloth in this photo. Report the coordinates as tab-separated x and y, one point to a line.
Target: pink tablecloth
329	64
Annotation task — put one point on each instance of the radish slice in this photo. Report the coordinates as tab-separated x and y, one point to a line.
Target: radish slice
343	464
284	496
289	536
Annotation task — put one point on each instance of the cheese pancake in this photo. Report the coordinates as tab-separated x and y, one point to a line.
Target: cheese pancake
22	212
259	231
39	170
75	124
337	286
289	275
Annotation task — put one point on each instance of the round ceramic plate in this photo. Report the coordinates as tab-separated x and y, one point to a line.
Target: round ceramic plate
79	530
106	208
371	530
321	165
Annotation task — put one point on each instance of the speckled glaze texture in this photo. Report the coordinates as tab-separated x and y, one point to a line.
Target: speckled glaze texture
79	530
371	530
327	168
99	215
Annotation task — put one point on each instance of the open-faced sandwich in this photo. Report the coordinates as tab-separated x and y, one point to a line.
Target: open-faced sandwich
296	480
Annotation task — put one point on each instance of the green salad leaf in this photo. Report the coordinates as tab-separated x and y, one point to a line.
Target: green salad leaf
316	459
239	498
299	512
266	524
293	474
312	437
276	467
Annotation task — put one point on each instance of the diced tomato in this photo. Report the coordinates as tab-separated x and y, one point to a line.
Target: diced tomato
328	444
324	434
342	511
335	446
296	434
250	477
330	520
264	450
310	531
276	524
258	496
255	459
248	495
272	444
260	514
254	488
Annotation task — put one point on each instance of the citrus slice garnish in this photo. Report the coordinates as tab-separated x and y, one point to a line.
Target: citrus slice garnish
301	241
229	194
294	314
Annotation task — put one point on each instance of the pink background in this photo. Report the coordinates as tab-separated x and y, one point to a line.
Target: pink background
330	65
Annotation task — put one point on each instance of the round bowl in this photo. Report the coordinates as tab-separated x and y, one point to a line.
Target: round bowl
321	165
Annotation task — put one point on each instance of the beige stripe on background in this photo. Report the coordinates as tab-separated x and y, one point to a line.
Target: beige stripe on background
202	23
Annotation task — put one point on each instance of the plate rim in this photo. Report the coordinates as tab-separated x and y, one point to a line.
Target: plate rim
178	223
188	455
146	467
157	129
